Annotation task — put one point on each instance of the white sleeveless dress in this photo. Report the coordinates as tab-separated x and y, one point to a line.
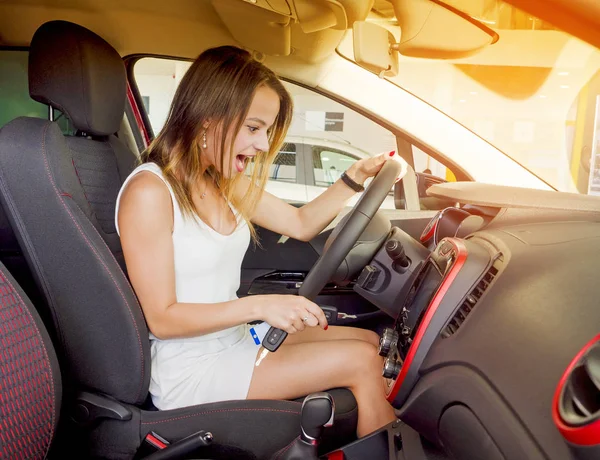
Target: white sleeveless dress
211	367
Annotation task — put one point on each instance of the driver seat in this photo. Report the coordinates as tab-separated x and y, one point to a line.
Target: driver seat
59	192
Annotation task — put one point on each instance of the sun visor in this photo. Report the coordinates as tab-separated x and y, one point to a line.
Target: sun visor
309	29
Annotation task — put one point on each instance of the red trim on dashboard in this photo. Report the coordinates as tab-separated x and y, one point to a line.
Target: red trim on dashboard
461	257
137	115
587	435
337	455
434	222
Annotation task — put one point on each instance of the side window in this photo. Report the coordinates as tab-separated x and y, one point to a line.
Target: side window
329	164
14	91
283	168
427	165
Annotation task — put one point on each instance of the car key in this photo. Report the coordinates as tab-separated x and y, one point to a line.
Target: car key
275	337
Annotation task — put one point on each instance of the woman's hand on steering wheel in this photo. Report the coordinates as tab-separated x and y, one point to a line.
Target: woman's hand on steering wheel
290	313
360	171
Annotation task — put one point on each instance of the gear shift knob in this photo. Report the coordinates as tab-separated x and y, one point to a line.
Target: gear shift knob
318	410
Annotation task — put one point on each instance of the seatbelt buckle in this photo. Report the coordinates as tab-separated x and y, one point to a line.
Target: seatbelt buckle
152	443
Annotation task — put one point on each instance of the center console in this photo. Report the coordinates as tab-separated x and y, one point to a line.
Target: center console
442	288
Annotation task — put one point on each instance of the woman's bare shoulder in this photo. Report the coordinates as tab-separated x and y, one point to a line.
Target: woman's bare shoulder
144	194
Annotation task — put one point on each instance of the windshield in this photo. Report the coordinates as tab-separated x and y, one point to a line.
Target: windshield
535	94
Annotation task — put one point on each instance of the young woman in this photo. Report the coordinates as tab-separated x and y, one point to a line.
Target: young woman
185	217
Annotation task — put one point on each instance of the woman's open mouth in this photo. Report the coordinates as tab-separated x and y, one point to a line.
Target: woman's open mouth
240	162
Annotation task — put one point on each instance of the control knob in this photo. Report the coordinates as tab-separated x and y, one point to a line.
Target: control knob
388	338
396	252
391	368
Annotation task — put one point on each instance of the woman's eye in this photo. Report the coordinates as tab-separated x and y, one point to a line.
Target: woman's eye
253	129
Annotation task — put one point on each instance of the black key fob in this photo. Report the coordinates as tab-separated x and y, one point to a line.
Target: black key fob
274	339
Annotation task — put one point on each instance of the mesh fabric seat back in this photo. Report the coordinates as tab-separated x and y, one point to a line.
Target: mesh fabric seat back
59	194
30	384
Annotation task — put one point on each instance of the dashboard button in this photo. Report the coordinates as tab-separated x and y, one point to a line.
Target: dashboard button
387	340
391	368
368	277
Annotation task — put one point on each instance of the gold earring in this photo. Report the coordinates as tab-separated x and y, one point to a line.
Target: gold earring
204	140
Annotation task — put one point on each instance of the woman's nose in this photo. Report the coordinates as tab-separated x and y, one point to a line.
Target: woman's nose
262	143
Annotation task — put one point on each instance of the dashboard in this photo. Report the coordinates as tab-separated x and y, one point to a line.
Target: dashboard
489	331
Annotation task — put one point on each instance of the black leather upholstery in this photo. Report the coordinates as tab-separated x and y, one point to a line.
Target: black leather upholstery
59	194
30	382
77	72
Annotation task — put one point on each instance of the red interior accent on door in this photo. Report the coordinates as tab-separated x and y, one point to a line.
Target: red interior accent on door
137	115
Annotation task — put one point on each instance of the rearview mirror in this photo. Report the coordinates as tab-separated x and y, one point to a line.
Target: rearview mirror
424	181
373	48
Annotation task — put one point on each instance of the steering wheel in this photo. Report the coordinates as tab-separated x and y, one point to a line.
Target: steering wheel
336	251
342	242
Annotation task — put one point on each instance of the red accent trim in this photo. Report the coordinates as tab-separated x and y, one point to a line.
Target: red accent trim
337	455
137	115
587	435
434	223
155	441
461	257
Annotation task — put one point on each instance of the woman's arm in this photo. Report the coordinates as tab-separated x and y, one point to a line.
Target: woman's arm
308	221
146	225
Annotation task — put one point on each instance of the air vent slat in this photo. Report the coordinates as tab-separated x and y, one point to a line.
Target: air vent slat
470	300
579	403
584	394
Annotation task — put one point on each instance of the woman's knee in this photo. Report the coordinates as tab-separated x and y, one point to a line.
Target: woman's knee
372	337
363	359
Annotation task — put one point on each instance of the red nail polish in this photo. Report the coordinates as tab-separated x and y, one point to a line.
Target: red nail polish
325	328
392	153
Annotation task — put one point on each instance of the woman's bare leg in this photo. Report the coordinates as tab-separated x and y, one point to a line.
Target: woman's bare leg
298	369
316	334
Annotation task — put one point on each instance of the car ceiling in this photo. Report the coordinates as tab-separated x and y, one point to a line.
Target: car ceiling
185	27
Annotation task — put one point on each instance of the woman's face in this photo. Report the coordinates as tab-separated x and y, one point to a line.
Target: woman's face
252	137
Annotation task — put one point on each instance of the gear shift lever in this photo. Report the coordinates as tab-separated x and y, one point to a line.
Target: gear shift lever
317	413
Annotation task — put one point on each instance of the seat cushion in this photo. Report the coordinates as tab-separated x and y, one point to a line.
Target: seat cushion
244	429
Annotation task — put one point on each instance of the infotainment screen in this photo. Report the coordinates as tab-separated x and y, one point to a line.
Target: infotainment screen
424	288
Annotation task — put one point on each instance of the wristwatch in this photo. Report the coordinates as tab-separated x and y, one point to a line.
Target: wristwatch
351	183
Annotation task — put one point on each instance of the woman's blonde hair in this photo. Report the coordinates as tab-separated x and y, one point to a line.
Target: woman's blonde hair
218	89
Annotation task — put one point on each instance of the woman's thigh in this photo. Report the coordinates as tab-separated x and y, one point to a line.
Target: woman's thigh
316	334
298	369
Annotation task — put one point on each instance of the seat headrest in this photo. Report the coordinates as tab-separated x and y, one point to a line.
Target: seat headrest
79	73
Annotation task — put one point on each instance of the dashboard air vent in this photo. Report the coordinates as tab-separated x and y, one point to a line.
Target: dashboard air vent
471	300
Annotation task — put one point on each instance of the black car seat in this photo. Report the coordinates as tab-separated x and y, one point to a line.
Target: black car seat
59	195
30	384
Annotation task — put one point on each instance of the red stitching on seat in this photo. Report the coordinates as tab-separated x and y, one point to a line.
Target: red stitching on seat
24	305
221	410
93	250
